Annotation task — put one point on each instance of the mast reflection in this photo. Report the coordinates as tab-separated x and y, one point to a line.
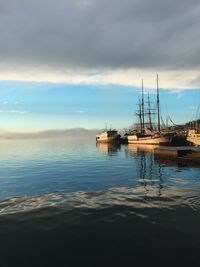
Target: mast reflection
150	174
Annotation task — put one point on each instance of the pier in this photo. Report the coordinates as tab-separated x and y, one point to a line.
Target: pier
185	155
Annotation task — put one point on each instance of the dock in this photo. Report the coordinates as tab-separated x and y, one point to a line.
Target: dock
185	155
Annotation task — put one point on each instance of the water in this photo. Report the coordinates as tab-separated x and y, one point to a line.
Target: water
70	203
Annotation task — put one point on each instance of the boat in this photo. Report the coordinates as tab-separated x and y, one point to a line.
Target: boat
193	136
146	135
108	136
152	139
193	133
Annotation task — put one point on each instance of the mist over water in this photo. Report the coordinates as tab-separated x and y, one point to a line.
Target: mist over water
69	202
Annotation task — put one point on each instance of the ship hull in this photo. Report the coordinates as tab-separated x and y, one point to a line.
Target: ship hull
150	140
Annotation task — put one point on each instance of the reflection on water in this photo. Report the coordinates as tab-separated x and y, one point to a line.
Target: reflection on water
129	197
134	148
149	173
116	227
38	167
109	149
175	163
156	174
72	203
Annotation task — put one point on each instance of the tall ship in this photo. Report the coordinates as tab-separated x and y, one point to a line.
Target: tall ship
108	136
146	134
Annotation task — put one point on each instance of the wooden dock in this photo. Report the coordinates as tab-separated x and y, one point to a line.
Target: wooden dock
188	154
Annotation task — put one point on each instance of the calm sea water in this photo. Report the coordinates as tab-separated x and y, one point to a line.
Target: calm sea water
71	203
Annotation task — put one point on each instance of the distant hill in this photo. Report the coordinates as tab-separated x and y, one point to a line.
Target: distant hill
65	133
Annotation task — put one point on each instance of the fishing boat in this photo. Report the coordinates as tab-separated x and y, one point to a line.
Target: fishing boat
108	136
146	134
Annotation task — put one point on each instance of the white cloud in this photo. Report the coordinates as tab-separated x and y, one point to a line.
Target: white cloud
174	80
12	111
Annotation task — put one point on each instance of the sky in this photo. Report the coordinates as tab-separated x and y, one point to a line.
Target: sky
79	63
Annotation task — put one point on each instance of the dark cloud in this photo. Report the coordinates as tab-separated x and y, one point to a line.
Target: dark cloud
100	34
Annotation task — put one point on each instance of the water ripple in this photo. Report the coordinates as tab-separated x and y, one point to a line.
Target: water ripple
121	196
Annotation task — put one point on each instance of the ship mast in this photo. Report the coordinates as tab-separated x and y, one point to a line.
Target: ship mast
149	113
142	107
140	115
158	105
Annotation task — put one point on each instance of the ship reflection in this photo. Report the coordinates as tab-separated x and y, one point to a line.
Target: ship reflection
174	163
132	148
150	174
109	149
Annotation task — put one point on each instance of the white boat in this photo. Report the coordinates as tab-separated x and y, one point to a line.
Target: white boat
194	137
108	136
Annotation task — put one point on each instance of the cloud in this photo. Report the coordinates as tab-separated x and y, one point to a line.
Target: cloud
6	103
39	38
195	81
12	111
